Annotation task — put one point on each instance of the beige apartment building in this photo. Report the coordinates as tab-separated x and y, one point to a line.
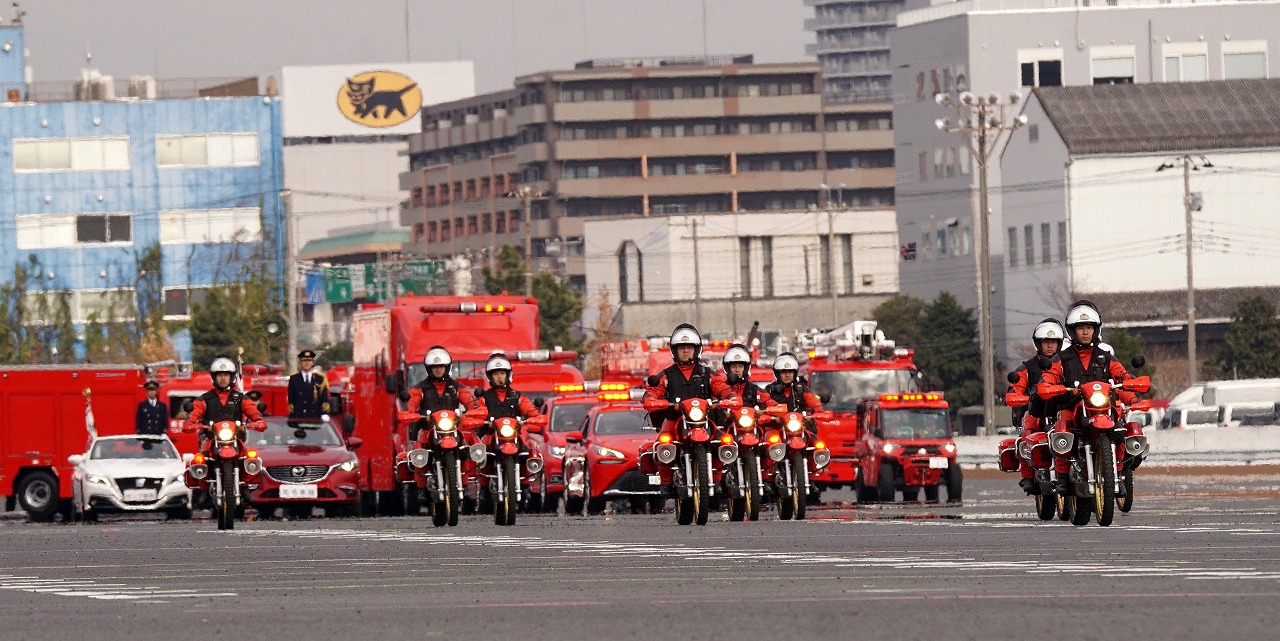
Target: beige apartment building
637	137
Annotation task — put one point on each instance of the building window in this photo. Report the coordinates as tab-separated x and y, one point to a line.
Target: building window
69	230
1112	66
1041	73
178	301
1062	242
924	166
1186	67
70	154
1033	132
194	226
1045	243
942	242
926	242
85	305
1029	238
207	150
966	241
1012	249
1244	60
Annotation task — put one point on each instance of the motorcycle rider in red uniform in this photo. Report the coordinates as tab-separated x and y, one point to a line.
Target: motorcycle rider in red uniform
1083	362
223	403
500	400
685	378
1047	337
439	391
737	374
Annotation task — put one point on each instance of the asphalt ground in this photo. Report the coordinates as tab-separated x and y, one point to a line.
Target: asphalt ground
1198	558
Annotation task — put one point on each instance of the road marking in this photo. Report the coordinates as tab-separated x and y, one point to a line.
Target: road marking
101	591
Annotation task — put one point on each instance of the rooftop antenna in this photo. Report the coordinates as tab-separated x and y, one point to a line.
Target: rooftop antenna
88	57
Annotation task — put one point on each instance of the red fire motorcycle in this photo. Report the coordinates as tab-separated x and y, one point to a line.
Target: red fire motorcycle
688	456
743	478
795	452
1103	449
1034	450
500	456
436	462
217	470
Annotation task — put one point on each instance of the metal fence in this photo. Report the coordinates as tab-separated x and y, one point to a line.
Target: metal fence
104	88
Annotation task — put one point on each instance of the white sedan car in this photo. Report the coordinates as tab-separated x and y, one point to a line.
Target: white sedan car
133	473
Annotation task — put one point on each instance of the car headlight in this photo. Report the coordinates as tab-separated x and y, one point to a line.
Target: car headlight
507	430
794	425
696	414
556	450
445	424
226	434
1098	399
949	447
745	420
100	480
347	466
609	453
889	448
177	478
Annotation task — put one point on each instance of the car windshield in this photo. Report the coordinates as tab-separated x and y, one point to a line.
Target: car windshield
287	432
566	417
632	421
846	387
914	423
133	448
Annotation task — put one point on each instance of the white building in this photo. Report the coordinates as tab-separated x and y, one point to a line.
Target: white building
1000	46
1087	214
345	128
766	266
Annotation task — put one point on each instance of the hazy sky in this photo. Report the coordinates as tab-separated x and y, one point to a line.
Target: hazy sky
183	38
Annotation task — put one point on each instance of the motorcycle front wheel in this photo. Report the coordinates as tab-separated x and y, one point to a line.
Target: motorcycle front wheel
1104	487
226	506
799	486
1046	506
702	487
751	493
504	511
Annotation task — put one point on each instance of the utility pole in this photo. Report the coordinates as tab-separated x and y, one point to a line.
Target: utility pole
831	258
1191	202
697	280
527	193
290	273
982	120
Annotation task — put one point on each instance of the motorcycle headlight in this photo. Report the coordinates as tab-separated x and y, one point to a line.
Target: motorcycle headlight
696	414
226	434
445	424
794	425
507	430
556	450
1098	399
609	453
100	480
347	466
745	420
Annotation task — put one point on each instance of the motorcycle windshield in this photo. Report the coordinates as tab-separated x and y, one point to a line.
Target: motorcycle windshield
847	387
914	423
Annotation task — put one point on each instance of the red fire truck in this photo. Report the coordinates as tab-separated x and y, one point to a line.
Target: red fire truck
845	366
906	445
388	346
43	421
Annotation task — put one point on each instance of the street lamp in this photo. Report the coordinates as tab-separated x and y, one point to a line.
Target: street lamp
982	120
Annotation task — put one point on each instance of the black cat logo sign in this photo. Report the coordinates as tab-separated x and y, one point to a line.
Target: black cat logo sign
379	98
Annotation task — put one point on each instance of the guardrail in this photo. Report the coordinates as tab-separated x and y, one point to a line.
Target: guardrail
1237	445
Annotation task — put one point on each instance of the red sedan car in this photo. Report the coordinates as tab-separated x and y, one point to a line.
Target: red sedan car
308	465
614	435
565	414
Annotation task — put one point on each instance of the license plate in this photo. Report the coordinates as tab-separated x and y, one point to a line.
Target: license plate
137	496
307	491
938	463
655	479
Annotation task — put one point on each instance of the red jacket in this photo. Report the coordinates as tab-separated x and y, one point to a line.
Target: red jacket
465	397
655	397
1053	375
1019	388
479	411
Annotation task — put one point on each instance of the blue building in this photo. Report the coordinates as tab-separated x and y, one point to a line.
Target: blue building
89	187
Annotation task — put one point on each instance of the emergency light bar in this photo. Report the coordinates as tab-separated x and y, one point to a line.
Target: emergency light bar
628	395
819	352
910	397
544	355
614	387
569	388
465	308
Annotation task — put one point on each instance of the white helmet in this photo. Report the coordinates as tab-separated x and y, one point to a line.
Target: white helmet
685	334
222	365
737	354
785	362
497	362
1048	329
1083	312
437	355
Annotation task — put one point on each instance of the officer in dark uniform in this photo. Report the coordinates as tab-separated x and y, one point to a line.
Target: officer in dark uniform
152	416
308	389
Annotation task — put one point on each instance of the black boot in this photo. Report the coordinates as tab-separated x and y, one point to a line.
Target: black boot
1122	491
1062	486
1029	486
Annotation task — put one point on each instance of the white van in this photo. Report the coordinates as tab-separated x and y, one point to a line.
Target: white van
1249	414
1190	418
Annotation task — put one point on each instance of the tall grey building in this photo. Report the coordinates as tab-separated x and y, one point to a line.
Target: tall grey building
853	46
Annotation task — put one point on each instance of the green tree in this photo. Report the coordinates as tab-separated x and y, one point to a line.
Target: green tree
334	354
239	313
217	326
900	319
948	350
559	304
1252	345
1127	345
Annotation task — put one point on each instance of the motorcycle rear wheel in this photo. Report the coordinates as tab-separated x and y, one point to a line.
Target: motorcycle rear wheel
1066	507
226	507
1104	487
702	487
751	493
1045	507
1125	503
1084	508
737	506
